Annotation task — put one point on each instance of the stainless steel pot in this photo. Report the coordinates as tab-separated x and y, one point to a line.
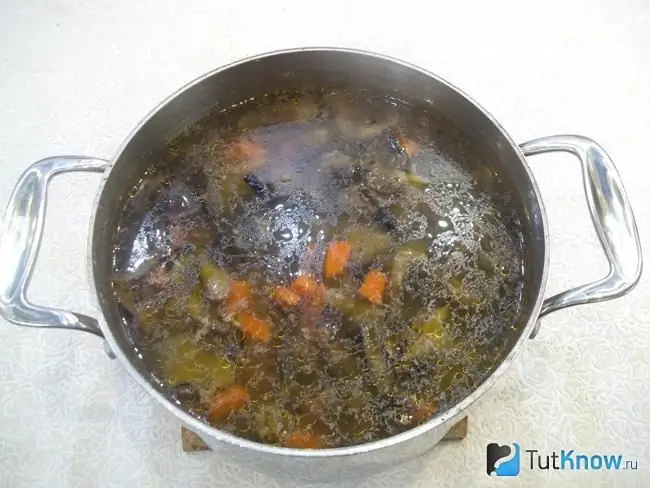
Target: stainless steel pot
23	223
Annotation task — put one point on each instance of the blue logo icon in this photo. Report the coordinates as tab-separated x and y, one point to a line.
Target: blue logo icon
503	460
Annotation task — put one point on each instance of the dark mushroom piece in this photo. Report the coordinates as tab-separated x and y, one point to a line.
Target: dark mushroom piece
383	215
402	156
185	393
386	219
260	188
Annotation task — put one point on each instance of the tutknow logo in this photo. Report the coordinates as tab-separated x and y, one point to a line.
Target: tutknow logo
505	460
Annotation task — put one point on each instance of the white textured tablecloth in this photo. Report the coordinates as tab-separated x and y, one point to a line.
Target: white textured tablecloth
77	76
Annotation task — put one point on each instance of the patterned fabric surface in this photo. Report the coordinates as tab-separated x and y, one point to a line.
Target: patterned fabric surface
76	76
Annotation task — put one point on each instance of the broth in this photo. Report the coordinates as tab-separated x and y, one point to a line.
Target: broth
319	269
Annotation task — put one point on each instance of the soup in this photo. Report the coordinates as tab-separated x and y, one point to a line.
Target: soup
319	269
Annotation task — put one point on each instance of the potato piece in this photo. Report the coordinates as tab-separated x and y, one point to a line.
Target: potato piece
215	281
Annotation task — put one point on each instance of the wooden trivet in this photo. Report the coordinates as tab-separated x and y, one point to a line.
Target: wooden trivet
192	443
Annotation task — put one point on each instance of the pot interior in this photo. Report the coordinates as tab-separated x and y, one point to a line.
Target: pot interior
465	134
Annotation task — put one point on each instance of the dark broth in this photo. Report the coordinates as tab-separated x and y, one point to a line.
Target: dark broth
315	269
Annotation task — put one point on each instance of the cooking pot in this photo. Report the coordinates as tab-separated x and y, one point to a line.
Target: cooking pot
23	224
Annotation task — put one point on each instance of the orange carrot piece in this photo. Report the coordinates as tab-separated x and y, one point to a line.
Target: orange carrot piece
253	327
244	149
284	295
303	440
410	146
305	285
312	291
226	402
424	411
373	286
239	296
338	254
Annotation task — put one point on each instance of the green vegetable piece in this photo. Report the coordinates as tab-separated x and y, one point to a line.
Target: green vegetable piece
391	345
124	295
344	363
367	243
485	262
370	327
215	282
460	293
462	248
487	243
348	303
271	422
434	327
357	400
171	317
173	310
456	282
450	377
373	350
404	257
369	321
199	236
147	318
431	335
196	308
233	187
187	363
417	182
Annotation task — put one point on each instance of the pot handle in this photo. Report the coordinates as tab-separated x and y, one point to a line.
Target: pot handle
20	239
612	217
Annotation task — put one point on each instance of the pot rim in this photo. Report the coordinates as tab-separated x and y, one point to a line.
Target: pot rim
203	429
